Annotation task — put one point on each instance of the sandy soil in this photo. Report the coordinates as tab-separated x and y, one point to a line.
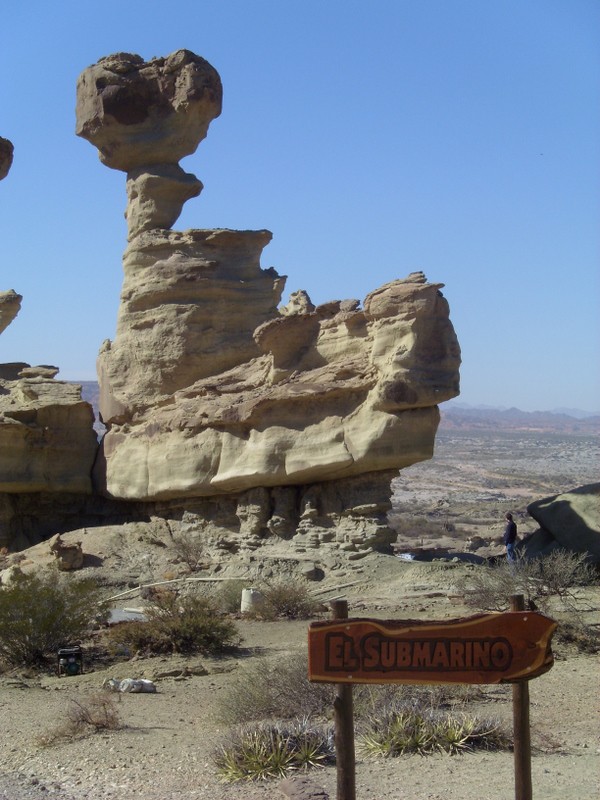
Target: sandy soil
164	750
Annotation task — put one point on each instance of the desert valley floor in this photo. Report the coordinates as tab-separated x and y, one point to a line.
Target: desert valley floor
164	750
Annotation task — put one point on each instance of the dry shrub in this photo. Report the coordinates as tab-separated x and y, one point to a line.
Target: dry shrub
573	632
391	720
98	712
289	599
282	690
489	587
278	689
187	624
540	580
369	700
190	549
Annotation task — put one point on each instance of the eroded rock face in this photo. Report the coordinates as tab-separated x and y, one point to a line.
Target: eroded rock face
329	394
189	306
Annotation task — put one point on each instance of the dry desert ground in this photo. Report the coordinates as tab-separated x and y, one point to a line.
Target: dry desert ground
164	749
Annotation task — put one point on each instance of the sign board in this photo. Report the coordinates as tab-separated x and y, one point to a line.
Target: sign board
486	648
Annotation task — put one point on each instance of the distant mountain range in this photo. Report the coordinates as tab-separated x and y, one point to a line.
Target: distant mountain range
457	416
460	416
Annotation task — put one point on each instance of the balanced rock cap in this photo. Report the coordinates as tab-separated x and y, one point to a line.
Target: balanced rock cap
140	113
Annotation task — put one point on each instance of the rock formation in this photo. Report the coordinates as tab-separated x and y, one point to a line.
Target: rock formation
570	521
145	117
46	443
262	421
46	439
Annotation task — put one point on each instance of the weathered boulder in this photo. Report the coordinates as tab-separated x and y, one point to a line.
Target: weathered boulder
69	556
570	521
6	157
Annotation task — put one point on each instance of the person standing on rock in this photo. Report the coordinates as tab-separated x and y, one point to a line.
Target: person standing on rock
510	537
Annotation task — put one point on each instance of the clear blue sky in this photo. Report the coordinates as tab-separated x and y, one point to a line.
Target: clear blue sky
374	138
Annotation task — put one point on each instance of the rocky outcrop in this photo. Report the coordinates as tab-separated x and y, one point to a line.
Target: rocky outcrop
570	521
189	306
47	443
279	421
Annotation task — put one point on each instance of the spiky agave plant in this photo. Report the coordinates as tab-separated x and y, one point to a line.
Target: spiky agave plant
272	750
409	732
312	746
396	734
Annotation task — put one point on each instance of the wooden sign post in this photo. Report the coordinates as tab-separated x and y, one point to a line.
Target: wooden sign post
343	715
521	729
487	648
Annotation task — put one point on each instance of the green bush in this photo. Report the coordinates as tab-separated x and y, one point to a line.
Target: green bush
40	613
187	624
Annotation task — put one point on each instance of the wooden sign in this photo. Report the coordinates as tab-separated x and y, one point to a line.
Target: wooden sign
486	648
